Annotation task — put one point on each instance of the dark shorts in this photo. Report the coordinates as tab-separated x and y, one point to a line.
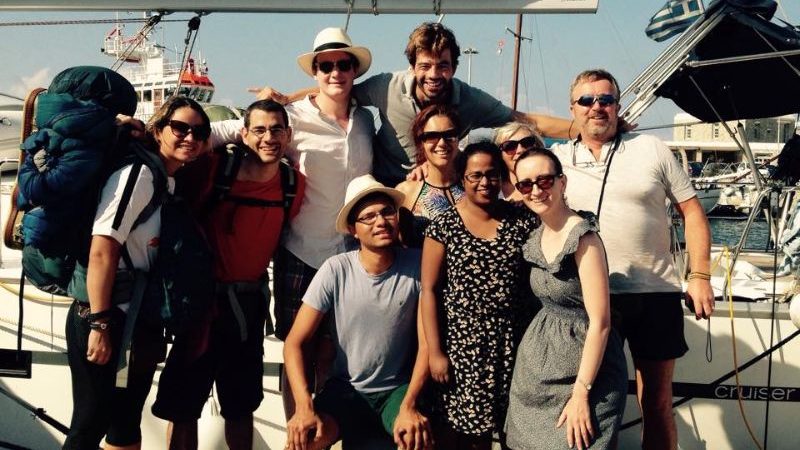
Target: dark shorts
291	278
235	365
356	413
652	323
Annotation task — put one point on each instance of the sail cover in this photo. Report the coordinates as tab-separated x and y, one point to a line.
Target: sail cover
746	89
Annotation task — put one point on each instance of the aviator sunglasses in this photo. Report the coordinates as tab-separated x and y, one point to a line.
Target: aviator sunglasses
528	143
183	129
433	137
602	99
544	182
326	67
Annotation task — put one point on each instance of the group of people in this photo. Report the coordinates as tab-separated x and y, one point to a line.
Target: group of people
470	301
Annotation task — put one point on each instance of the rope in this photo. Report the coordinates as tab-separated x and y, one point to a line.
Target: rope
349	12
375	7
729	293
191	36
81	22
38	298
437	7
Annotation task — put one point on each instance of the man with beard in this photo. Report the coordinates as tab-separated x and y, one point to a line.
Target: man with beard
243	228
626	180
432	52
373	293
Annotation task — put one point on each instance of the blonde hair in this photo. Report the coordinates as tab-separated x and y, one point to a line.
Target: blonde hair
501	134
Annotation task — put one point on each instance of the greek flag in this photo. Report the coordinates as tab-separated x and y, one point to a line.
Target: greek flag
673	18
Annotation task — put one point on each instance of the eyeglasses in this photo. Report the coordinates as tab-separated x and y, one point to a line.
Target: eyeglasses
326	67
183	129
493	176
276	132
389	212
544	182
528	143
433	137
603	99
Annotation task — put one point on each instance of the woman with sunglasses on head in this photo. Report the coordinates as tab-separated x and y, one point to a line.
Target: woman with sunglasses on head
570	370
435	131
474	251
121	247
513	139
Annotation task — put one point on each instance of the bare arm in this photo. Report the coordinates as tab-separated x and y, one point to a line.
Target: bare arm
103	261
269	93
698	243
305	418
412	429
554	127
432	262
593	273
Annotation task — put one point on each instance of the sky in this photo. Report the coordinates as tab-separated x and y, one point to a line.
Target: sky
256	49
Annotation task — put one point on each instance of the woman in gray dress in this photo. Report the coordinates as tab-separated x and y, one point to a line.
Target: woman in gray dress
570	370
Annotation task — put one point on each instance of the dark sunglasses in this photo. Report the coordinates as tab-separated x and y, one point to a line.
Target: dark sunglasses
544	182
433	137
603	99
326	67
528	143
183	129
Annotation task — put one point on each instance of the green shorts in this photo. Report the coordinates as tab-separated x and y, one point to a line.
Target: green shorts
358	413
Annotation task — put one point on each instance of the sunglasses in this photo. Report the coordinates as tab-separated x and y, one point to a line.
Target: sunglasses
433	137
544	182
388	212
528	143
603	99
183	129
326	67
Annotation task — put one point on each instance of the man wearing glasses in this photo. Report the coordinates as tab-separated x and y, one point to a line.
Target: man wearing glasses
332	143
626	180
377	374
243	227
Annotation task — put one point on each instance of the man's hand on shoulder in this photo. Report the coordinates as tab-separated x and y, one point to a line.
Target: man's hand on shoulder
418	173
299	427
136	126
412	430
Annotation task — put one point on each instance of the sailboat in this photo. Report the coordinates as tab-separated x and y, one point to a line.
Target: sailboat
759	366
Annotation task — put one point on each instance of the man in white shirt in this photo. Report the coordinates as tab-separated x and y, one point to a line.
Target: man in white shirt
626	180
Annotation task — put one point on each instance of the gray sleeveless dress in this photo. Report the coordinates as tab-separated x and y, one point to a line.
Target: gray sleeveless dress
549	355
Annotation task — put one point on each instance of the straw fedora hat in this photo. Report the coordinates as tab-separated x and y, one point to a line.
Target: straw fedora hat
359	188
335	40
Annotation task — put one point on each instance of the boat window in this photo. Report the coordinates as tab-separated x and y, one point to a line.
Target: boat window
147	96
168	92
716	130
688	133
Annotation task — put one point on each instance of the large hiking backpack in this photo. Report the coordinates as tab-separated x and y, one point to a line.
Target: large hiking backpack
76	147
230	160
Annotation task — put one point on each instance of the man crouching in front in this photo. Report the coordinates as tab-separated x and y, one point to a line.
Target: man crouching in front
377	374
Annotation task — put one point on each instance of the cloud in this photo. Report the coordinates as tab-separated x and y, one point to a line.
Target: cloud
40	78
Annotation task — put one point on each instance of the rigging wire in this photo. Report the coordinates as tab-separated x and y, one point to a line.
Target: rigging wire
349	12
541	62
191	37
83	22
137	39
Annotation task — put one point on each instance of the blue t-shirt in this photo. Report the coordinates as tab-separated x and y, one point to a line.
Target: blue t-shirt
375	318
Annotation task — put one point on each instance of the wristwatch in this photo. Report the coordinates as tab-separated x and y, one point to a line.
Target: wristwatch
588	386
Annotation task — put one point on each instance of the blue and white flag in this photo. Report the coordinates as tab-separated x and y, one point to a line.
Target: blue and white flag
673	18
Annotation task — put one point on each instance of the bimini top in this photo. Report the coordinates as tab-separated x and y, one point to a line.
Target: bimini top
739	66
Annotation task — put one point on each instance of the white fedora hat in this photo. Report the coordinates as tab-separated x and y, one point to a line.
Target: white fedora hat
359	188
335	40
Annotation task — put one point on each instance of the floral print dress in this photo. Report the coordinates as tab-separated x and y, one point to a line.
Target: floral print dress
487	307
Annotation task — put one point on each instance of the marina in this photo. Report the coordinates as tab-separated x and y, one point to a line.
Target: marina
737	387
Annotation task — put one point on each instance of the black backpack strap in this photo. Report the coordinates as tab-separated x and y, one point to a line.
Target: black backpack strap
288	187
127	192
230	161
160	181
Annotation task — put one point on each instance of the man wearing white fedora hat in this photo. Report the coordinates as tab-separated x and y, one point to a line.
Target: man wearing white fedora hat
373	292
332	143
432	53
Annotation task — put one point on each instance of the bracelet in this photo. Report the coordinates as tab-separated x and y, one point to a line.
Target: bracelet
587	386
102	326
699	276
92	317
